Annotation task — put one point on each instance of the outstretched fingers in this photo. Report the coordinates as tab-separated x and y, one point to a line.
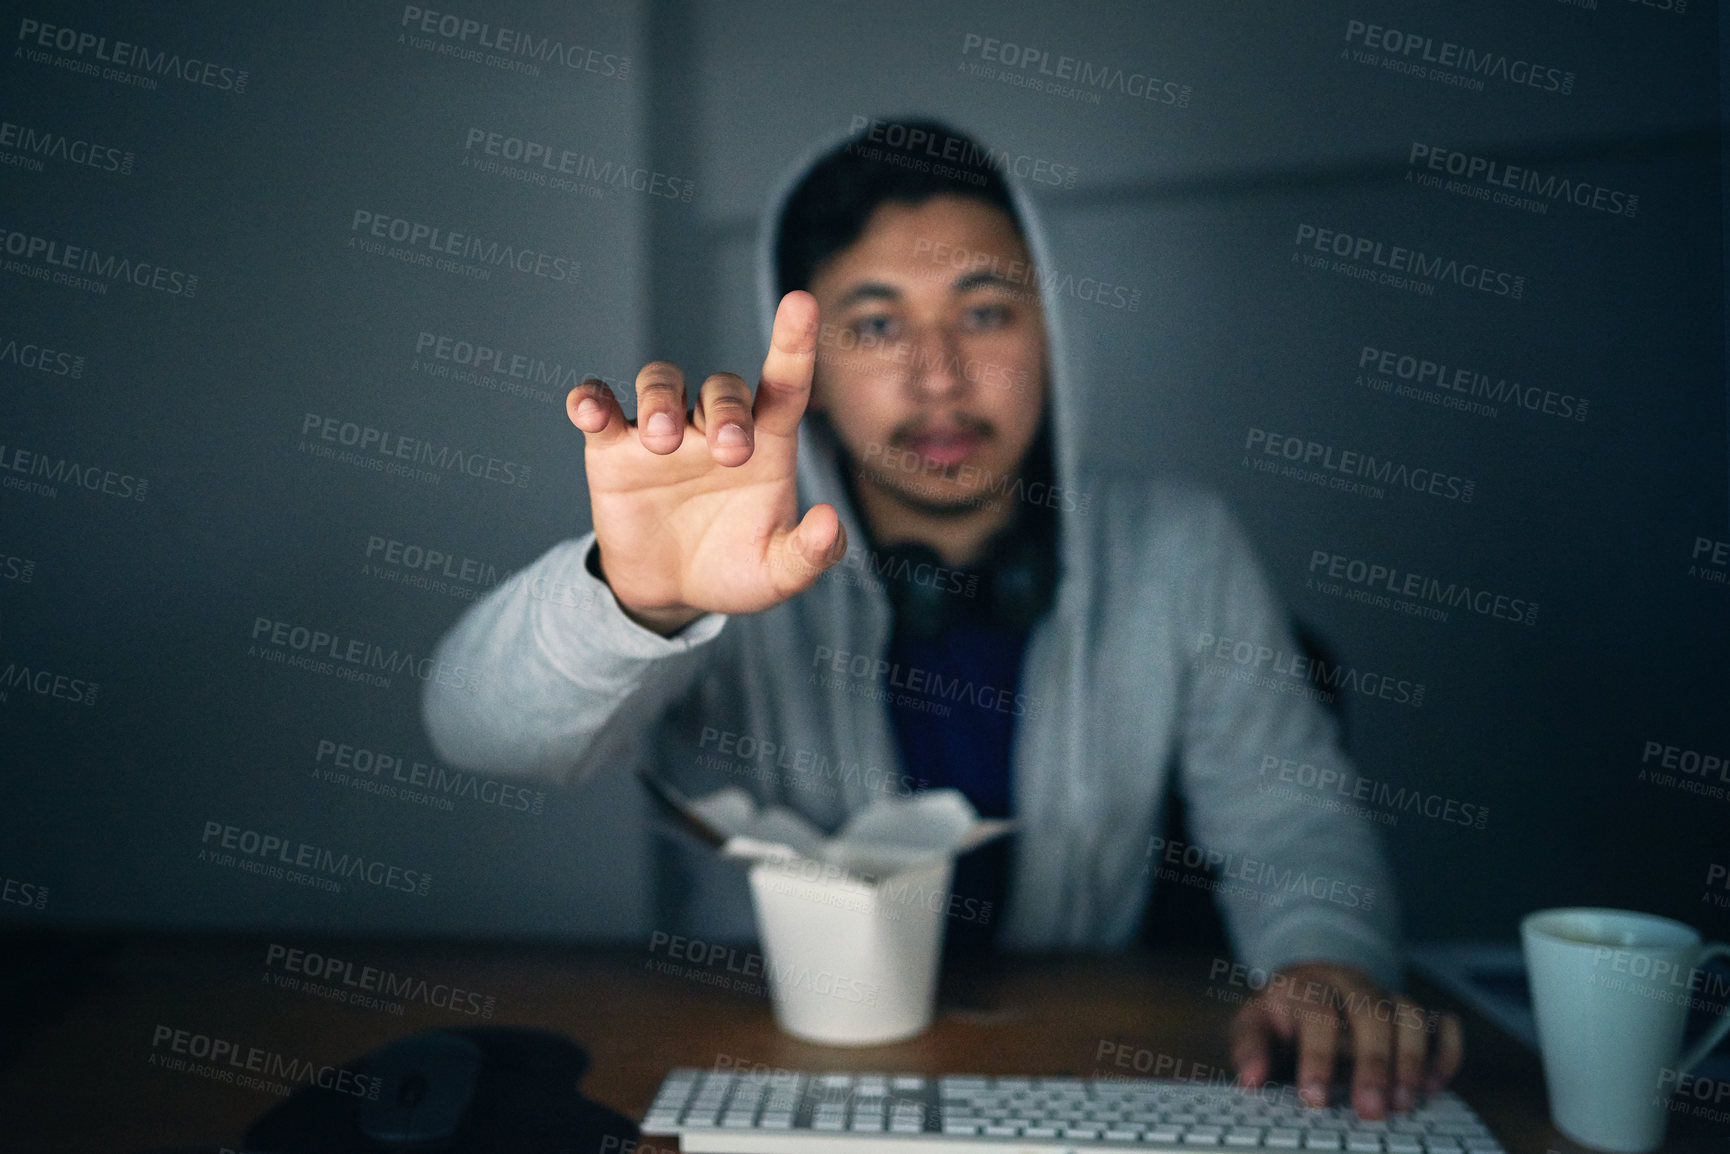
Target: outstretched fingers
786	386
661	407
723	416
592	408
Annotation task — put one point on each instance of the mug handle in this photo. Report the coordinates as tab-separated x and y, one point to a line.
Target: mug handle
1716	1031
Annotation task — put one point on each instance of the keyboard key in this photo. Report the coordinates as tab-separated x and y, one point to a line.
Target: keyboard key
1404	1144
1364	1143
1284	1139
1198	1139
1243	1136
1322	1140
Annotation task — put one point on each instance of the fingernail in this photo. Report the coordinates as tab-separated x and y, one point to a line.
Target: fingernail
732	435
1314	1093
588	407
1403	1098
1373	1101
661	424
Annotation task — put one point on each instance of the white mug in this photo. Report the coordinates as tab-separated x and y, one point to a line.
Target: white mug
1610	991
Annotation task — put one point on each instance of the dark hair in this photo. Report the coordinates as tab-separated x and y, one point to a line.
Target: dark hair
906	161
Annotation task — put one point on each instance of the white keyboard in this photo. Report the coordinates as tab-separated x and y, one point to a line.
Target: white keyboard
780	1112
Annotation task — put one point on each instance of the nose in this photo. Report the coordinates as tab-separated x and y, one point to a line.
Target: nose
936	372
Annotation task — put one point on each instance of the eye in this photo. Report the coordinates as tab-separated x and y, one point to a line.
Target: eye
990	316
882	326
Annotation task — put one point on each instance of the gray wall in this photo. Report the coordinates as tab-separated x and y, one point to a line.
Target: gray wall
1197	207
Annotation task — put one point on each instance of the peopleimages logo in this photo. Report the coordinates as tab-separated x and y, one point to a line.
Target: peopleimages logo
42	682
241	1065
728	751
1437	382
1693	771
1263	881
538	163
41	358
511	49
951	149
350	658
14	568
397	776
35	472
82	267
14	892
386	452
425	244
1389	586
1348	786
1444	61
222	842
1398	266
1499	182
1351	469
389	559
35	145
359	982
1710	561
1068	76
1268	668
128	63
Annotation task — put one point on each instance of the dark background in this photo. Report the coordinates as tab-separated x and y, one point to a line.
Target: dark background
103	803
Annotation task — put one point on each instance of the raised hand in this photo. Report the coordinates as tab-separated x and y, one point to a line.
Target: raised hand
700	515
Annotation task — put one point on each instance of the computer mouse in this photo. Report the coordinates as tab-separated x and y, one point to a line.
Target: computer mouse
425	1084
489	1090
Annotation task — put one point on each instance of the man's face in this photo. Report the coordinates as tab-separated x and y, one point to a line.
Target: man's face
931	352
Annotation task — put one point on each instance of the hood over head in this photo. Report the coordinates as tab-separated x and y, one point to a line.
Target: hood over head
820	462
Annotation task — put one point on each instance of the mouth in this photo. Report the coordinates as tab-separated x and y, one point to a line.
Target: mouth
944	446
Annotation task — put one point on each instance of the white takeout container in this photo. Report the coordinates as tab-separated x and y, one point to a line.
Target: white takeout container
852	925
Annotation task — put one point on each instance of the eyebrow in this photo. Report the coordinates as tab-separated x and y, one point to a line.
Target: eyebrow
877	290
870	290
985	280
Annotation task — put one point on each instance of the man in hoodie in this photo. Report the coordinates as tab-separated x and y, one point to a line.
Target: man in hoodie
1057	644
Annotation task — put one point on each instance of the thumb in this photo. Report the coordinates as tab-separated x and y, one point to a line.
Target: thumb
822	538
815	544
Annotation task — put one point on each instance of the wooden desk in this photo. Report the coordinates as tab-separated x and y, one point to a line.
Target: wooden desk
77	1072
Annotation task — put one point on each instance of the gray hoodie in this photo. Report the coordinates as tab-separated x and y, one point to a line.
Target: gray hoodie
1165	662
